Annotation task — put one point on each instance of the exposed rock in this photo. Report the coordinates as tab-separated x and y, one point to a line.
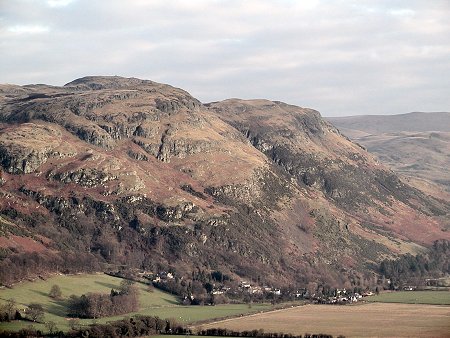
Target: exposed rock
86	177
181	148
177	213
20	156
137	156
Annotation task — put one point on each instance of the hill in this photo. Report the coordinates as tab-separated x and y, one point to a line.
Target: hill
128	172
415	144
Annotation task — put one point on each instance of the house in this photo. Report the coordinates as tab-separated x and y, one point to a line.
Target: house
245	285
341	291
256	290
276	292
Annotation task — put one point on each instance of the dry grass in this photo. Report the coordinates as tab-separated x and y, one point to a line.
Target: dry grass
364	320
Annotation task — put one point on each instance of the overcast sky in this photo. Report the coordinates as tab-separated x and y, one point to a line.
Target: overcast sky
339	57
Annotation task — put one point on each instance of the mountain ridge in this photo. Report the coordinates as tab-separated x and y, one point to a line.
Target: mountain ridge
132	172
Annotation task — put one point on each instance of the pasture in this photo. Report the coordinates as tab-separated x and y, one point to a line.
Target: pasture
362	320
153	302
413	297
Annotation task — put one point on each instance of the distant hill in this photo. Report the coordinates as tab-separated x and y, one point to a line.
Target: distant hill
414	144
377	124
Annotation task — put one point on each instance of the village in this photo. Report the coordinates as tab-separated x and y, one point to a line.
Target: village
249	292
340	296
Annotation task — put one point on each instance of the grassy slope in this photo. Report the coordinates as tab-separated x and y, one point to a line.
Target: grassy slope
413	297
156	303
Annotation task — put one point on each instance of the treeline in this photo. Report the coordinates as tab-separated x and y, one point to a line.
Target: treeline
96	305
434	263
19	266
147	325
218	332
131	327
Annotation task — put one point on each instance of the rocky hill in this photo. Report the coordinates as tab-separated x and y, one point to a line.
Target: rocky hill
416	145
109	171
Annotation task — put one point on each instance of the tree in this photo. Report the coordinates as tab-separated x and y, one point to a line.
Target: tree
35	312
11	308
51	327
126	285
74	323
55	292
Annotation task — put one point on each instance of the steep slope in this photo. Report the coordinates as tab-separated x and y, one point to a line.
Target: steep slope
415	144
341	174
116	171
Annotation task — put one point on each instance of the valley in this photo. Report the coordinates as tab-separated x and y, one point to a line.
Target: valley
416	145
410	312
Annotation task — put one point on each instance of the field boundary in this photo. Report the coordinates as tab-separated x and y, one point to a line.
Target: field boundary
229	318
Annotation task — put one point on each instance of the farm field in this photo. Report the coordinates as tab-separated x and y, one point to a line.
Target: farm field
154	303
362	320
413	297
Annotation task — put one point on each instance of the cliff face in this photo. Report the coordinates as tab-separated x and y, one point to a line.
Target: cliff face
128	171
315	153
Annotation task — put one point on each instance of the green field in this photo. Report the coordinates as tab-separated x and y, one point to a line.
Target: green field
155	303
413	297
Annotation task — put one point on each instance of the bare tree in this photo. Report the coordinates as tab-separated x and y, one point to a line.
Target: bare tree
35	312
55	292
51	327
11	308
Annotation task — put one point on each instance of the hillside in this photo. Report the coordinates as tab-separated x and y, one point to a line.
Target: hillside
415	144
115	171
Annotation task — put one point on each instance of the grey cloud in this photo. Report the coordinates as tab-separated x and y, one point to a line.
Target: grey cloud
340	57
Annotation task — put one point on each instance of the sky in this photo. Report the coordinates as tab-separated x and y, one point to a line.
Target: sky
338	57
